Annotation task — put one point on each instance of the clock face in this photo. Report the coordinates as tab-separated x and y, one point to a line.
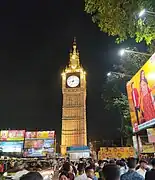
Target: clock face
73	81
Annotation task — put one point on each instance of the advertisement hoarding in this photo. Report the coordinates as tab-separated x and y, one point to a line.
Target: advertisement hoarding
151	135
36	144
148	148
40	135
118	152
38	147
11	146
37	152
12	135
141	96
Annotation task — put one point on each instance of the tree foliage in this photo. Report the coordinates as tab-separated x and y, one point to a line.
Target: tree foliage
114	93
120	18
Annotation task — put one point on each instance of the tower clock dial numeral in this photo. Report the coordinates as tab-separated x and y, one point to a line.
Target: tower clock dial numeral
73	81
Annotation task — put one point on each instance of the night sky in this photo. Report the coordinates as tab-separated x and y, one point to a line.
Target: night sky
35	40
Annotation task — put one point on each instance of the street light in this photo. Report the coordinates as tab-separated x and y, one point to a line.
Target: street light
109	74
123	51
144	11
119	74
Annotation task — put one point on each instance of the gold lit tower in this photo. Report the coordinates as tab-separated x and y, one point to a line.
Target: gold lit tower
74	131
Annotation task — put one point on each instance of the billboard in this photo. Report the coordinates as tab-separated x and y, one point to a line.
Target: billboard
37	152
9	147
12	135
148	148
151	135
37	144
141	96
40	135
118	152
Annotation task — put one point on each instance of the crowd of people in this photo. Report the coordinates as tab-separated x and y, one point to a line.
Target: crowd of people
122	169
84	169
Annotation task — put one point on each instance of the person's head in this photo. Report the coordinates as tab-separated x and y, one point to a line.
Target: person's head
131	163
118	162
81	167
90	172
153	163
66	167
64	176
143	164
112	161
111	172
32	176
122	164
142	76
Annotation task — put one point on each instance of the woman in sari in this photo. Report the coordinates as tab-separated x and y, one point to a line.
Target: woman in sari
147	101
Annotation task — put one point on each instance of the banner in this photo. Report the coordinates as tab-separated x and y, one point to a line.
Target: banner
149	148
11	146
40	135
151	135
141	96
118	152
12	135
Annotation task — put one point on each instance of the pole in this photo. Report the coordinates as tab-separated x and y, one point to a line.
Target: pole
138	145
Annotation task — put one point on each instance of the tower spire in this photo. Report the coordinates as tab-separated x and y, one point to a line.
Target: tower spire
74	56
74	46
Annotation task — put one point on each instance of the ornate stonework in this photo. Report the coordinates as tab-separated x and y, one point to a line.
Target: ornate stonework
74	132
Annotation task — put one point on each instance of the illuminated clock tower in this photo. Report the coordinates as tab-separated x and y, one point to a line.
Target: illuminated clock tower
74	132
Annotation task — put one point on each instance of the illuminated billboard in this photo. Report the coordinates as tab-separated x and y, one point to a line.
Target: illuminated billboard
38	152
115	152
40	135
141	96
36	144
151	135
8	147
12	135
39	143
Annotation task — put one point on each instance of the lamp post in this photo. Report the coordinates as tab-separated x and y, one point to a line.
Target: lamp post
144	11
123	51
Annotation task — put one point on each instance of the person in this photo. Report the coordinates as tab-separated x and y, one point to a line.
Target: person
81	173
99	168
147	101
111	172
135	99
90	173
1	168
131	174
20	172
32	176
68	169
122	166
64	176
150	175
142	168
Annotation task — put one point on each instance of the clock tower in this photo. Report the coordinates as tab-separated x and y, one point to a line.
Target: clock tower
74	131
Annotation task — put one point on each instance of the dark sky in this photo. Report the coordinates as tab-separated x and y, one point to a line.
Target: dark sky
35	39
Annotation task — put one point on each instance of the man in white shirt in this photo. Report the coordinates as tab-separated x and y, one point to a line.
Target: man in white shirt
142	168
81	172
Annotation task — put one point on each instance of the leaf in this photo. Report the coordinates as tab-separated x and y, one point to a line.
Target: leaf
119	18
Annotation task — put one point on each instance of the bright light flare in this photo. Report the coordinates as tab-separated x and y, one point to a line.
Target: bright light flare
109	74
142	13
122	52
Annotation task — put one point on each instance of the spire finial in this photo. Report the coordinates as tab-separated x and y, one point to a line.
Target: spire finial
74	46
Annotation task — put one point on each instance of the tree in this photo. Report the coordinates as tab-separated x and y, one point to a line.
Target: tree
115	95
120	18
